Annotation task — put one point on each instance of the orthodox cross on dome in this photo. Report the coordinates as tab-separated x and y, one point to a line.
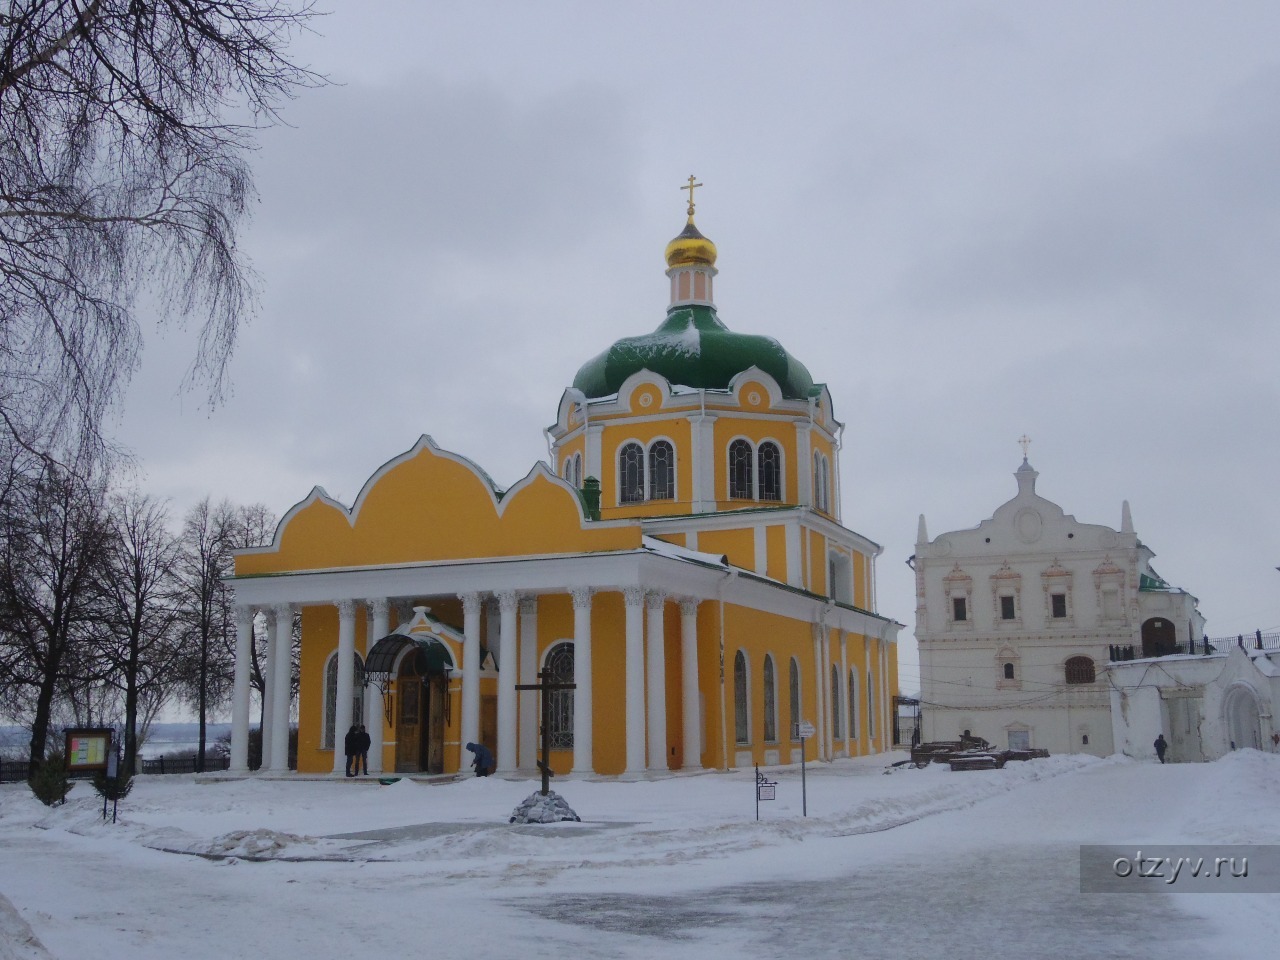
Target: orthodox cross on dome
691	187
1024	442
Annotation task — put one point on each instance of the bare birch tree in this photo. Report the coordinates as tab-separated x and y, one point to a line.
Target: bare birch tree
123	131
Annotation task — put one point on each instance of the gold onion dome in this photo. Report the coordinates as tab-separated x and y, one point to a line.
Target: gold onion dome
690	247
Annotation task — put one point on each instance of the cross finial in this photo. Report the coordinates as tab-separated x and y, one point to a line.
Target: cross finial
1024	441
691	187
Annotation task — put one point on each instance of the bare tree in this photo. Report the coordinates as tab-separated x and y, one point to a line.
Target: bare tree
207	658
123	131
52	532
138	636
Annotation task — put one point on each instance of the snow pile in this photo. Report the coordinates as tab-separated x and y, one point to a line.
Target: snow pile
537	808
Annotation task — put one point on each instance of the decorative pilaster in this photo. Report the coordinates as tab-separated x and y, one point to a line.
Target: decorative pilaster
582	703
283	615
656	662
819	694
634	598
374	715
527	719
849	744
508	665
470	676
345	693
691	742
240	690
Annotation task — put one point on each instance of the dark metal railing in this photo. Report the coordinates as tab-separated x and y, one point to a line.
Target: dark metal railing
12	771
1204	646
185	764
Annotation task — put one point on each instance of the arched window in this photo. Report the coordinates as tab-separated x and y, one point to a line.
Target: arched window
837	727
1080	670
741	714
631	473
568	469
821	482
853	704
871	706
770	702
577	470
769	458
793	689
662	471
559	665
1008	671
331	699
741	471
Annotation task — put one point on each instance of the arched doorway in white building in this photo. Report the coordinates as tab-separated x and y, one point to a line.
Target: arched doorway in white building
1242	716
1159	637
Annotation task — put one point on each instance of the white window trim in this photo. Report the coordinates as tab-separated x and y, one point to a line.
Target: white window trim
644	470
755	469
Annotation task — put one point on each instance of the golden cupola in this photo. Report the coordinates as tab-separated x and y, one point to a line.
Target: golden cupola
691	261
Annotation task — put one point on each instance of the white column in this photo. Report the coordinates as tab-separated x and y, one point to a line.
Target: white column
704	458
844	694
268	691
527	714
691	741
240	691
592	463
374	709
886	706
866	690
281	685
470	676
634	597
829	738
508	664
582	729
655	604
819	693
345	692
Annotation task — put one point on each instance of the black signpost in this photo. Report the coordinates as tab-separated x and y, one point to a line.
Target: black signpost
113	784
804	730
546	683
765	789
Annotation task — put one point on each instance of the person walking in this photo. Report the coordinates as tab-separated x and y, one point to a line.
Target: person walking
483	761
363	742
350	746
1161	746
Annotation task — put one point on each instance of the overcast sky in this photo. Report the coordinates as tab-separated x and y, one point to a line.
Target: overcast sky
971	220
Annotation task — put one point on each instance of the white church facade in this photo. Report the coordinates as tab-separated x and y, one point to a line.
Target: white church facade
1017	618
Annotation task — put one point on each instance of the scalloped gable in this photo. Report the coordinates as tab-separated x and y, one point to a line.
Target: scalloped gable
432	505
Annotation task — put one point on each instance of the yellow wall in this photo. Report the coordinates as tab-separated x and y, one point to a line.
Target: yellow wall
776	547
430	506
738	545
615	435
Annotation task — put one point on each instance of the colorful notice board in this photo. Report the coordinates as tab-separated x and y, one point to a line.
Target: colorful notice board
88	749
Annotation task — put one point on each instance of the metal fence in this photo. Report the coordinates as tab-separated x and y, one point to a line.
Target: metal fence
12	771
1204	646
185	764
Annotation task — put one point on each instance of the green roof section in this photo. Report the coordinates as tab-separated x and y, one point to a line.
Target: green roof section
693	348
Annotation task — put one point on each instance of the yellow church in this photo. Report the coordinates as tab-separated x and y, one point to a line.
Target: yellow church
682	564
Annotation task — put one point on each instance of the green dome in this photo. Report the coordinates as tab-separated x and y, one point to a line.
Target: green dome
693	348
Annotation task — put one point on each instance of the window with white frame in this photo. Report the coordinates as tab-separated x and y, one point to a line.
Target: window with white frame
646	474
331	698
770	702
755	471
871	706
741	705
837	728
793	688
577	470
821	482
558	666
853	703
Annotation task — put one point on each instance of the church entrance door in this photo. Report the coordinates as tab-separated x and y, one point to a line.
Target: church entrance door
420	720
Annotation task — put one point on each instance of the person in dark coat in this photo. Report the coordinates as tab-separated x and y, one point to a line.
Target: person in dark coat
483	761
1161	746
363	743
351	746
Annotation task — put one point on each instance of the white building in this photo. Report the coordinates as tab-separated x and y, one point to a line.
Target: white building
1206	705
1016	616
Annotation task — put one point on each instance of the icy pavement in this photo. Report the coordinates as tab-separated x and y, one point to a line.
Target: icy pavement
917	863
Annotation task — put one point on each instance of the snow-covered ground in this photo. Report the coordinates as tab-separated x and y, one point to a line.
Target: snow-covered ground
910	864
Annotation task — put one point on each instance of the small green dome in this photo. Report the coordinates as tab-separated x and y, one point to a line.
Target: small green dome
693	348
